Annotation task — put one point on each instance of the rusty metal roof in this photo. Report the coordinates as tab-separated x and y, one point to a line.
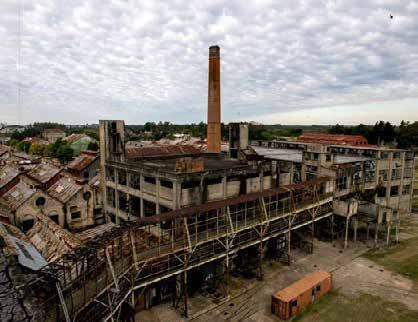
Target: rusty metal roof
7	174
82	161
339	139
44	172
74	137
35	140
64	189
306	283
50	239
92	233
17	195
155	151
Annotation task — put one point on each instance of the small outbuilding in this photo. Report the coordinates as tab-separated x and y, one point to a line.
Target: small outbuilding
297	296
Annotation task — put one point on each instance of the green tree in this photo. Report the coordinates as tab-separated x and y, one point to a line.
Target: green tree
93	146
37	149
64	153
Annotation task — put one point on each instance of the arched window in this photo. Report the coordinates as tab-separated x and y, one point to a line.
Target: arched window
54	216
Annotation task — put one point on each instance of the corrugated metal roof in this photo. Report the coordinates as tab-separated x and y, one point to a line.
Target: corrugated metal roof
292	155
294	290
7	174
92	233
17	195
44	172
161	151
341	139
74	137
50	239
64	189
82	161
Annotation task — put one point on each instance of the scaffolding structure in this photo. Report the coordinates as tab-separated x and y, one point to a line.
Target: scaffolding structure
96	281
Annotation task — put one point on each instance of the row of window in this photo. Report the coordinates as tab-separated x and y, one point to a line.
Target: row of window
394	191
135	179
396	174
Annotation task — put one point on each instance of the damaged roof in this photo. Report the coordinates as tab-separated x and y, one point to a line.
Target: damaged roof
7	174
50	239
340	139
74	137
292	155
15	306
17	195
156	151
3	149
92	233
82	161
44	172
64	189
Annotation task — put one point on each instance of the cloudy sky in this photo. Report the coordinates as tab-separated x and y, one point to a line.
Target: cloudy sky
287	61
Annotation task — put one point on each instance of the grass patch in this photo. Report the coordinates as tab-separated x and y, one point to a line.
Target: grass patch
364	308
401	258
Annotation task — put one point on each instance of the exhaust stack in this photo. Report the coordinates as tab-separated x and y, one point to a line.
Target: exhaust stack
214	101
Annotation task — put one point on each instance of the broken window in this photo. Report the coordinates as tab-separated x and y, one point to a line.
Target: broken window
294	303
110	174
406	189
383	175
110	193
396	174
75	215
396	156
381	192
311	172
384	155
135	181
27	224
122	201
54	217
149	180
122	177
394	191
135	206
166	184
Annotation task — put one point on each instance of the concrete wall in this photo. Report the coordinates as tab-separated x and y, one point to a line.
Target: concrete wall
51	207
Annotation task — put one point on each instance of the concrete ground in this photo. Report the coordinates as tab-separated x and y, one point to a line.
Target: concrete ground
250	299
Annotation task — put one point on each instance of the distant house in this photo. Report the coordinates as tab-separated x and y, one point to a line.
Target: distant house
51	135
79	142
85	166
35	140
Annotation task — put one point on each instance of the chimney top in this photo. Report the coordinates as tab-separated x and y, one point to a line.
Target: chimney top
214	51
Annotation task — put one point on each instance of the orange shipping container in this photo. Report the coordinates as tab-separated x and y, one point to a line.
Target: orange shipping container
296	297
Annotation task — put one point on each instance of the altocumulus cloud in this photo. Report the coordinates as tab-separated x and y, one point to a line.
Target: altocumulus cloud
147	60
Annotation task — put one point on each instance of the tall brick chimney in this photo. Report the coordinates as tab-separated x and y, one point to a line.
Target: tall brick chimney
214	101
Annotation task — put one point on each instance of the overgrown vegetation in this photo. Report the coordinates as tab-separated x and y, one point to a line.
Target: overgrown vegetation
364	308
60	149
401	258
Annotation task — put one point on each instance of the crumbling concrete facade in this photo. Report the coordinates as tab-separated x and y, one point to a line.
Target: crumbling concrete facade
137	187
